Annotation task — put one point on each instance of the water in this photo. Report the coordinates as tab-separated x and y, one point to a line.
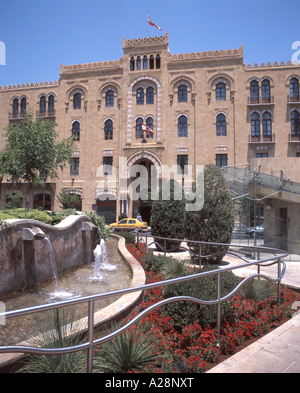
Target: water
101	261
73	284
58	293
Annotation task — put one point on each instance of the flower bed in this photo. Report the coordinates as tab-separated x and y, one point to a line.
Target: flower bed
195	348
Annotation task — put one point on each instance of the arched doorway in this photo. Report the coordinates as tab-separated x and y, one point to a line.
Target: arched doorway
143	174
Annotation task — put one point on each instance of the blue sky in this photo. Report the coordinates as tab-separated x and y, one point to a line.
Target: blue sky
38	35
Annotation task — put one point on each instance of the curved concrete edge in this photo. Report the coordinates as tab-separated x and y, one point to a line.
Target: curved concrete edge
128	301
114	311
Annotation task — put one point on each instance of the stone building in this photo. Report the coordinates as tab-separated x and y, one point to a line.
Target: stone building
203	107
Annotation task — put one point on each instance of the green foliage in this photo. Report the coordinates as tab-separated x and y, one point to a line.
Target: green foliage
168	214
57	331
258	290
172	268
67	200
214	222
129	237
31	152
38	215
14	201
154	262
131	351
205	288
99	221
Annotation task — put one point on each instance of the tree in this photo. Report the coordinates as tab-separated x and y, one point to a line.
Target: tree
214	222
168	213
67	200
32	151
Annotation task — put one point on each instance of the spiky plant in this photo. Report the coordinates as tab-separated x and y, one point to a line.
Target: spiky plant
57	331
130	351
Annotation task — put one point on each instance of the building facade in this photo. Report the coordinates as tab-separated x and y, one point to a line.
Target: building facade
204	107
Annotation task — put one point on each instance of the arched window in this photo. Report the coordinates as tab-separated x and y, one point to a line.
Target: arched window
182	93
43	104
267	124
138	63
108	129
76	131
23	105
109	99
132	64
221	125
151	62
139	128
255	125
145	62
220	91
149	123
158	61
265	91
140	96
150	95
295	124
15	106
254	92
77	101
294	90
51	104
182	126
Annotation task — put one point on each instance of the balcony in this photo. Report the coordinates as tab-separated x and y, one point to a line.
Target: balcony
45	114
295	99
262	138
294	138
261	100
16	115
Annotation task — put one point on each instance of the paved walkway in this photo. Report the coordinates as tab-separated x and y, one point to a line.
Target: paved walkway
278	351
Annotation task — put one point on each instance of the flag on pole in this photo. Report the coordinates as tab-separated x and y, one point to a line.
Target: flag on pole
152	24
147	129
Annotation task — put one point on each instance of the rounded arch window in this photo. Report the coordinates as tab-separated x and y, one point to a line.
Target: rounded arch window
221	125
76	131
108	129
255	124
182	126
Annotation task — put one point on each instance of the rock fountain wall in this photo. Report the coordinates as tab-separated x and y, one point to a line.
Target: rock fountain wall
24	262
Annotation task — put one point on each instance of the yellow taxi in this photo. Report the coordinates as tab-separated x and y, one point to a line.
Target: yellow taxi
128	224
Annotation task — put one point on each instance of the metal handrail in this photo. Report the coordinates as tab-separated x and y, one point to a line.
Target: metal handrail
91	343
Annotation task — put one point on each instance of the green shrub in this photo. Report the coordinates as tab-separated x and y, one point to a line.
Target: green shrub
129	237
38	215
214	222
154	262
205	288
167	215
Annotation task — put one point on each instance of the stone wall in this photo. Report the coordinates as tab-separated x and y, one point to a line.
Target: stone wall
25	262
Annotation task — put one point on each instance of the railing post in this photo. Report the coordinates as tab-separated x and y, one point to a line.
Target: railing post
279	281
200	255
165	247
90	336
219	302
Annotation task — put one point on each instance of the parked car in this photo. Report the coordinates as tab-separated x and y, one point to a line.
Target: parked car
128	224
259	229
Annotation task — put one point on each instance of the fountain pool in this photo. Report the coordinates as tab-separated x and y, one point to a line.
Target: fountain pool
76	283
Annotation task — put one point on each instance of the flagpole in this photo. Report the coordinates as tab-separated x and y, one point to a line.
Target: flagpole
148	25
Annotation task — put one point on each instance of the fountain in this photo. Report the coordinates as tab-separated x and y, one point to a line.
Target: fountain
101	261
45	264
